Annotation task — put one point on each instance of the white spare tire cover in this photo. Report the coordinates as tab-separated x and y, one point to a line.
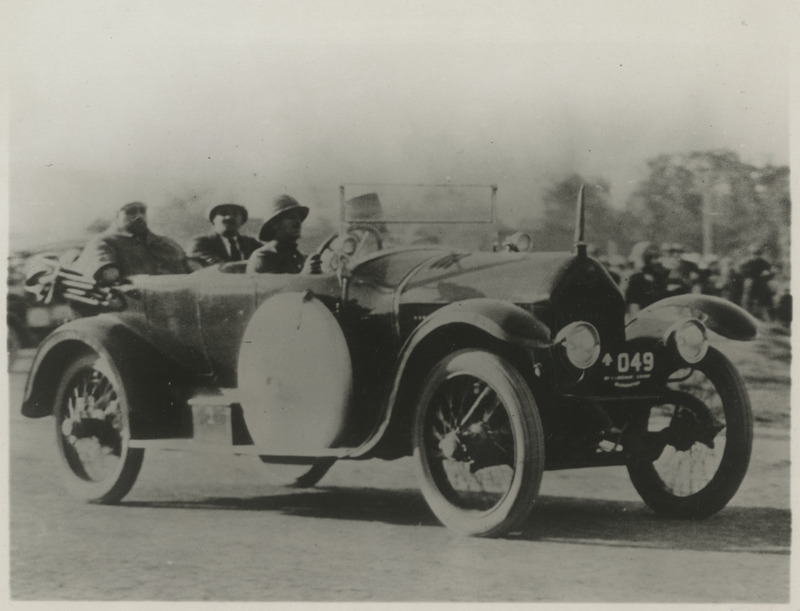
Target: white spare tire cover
295	376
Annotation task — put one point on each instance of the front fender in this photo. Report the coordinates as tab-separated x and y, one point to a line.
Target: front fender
152	381
719	315
502	320
471	321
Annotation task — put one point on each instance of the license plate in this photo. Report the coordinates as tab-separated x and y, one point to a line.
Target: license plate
628	368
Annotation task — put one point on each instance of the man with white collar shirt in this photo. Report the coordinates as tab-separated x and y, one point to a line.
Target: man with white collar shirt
224	243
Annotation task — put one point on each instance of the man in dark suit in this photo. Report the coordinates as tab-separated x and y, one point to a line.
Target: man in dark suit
224	243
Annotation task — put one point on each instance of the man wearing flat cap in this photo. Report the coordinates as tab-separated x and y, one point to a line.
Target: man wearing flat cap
224	243
280	232
129	248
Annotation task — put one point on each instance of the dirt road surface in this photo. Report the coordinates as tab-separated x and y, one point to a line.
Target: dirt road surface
200	527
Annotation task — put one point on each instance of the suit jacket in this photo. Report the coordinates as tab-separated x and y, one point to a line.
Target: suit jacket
210	249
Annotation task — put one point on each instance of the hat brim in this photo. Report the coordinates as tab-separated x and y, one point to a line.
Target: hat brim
302	210
213	209
265	227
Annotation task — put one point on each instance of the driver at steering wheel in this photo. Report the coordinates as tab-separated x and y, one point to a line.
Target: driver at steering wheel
280	232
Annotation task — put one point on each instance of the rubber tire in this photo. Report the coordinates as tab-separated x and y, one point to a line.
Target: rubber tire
114	488
519	403
735	458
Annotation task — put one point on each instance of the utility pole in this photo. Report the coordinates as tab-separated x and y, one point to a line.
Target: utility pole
708	178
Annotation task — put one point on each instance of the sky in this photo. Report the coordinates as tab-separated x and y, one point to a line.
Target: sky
111	101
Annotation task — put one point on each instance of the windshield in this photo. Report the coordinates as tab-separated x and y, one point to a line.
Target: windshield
461	216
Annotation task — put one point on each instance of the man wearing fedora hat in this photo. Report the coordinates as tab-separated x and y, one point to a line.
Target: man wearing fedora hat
129	248
280	232
224	243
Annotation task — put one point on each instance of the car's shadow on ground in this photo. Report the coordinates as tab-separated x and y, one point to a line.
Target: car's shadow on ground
563	519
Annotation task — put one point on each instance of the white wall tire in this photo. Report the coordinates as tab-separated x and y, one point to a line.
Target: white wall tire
478	444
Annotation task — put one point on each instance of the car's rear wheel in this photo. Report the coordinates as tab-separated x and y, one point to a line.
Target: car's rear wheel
92	422
478	444
695	449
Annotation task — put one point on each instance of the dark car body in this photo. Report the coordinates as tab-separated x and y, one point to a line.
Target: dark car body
302	368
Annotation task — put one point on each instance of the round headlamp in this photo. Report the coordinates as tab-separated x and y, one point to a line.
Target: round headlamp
581	344
690	340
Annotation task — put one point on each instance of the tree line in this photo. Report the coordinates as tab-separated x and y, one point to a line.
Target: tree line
708	202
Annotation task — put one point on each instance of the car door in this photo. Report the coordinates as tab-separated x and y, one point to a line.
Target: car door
225	304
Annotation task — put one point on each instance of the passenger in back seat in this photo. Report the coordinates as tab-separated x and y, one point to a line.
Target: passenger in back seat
224	243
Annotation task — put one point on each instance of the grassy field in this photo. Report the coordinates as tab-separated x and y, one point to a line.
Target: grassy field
765	364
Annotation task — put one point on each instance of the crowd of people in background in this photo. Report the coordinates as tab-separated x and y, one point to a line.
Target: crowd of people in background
653	272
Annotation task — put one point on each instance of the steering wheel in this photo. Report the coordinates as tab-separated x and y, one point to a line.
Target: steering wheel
358	235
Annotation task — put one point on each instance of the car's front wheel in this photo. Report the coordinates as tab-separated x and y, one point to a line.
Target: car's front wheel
92	422
695	445
478	443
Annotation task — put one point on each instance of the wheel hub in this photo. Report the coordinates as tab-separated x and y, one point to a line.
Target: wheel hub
691	423
474	444
93	423
686	429
452	448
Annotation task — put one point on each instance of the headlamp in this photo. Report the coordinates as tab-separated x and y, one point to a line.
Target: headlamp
690	339
581	343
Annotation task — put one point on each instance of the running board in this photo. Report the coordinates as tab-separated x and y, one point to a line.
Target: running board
218	426
193	445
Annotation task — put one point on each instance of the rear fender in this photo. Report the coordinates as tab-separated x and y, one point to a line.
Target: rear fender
719	315
484	323
152	382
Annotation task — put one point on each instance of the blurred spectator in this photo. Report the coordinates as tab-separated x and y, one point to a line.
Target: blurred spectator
679	271
756	274
689	266
710	281
647	284
619	267
730	281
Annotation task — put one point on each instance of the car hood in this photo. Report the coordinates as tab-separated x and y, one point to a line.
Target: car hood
444	276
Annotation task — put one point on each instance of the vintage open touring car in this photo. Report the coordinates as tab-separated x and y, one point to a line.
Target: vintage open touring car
488	367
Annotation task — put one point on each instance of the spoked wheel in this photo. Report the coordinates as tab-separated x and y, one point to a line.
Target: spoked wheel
478	444
93	432
696	449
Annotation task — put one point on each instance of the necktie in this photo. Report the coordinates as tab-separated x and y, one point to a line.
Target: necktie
236	254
